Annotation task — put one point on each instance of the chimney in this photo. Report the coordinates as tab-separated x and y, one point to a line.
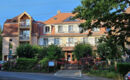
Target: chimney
58	12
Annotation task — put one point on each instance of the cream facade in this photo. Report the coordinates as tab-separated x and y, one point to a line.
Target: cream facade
60	30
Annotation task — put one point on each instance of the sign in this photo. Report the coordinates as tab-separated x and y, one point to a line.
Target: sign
51	63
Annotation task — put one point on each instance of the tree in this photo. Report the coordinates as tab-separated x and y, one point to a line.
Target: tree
0	44
26	50
109	51
42	53
106	13
54	52
82	50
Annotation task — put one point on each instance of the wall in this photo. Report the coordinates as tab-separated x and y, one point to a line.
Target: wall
5	48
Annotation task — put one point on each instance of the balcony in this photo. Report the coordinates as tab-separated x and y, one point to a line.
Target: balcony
24	24
24	37
68	44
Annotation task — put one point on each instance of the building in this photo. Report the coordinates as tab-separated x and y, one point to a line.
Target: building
60	30
19	30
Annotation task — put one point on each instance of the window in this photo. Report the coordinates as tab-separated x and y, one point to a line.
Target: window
10	40
27	22
108	29
70	29
45	40
96	29
56	41
60	28
70	19
85	40
96	40
70	40
24	35
47	29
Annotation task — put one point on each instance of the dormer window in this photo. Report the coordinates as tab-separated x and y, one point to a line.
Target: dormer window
55	18
70	19
47	29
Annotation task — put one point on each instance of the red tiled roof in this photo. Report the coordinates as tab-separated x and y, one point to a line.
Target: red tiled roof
10	30
59	18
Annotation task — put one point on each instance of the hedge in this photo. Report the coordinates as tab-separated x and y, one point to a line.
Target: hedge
25	64
123	68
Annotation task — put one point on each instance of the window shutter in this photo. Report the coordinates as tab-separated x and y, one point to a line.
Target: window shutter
67	40
75	41
56	28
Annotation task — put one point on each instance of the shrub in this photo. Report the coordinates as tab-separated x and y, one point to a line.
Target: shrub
25	64
42	53
27	51
123	68
54	52
82	50
44	62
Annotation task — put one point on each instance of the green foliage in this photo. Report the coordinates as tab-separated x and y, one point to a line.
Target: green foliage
44	62
108	49
54	52
109	13
107	74
123	68
82	50
42	53
25	64
10	46
27	51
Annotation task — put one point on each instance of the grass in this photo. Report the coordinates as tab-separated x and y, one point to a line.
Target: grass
106	74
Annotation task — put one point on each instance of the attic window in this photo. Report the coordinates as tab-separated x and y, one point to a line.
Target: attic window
55	18
70	19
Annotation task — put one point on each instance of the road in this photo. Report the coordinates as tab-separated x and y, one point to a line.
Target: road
30	76
41	76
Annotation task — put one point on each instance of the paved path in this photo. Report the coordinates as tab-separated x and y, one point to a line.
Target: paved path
40	76
69	73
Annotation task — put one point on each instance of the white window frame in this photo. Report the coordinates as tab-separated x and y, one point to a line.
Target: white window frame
57	41
70	40
60	28
70	28
45	43
49	29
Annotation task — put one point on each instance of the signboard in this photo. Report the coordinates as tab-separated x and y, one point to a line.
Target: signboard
51	63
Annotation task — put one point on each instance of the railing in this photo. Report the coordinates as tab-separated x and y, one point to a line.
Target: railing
24	37
24	25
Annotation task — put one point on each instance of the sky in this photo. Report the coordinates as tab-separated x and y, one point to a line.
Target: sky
40	10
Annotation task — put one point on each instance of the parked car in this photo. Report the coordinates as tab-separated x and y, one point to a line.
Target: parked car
127	76
1	64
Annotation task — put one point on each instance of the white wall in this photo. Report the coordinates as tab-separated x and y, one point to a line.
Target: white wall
65	28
